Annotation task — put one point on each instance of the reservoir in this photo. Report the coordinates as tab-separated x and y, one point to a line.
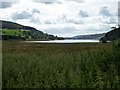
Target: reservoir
66	41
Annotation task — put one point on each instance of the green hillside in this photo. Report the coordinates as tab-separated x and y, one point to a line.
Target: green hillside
12	25
16	31
112	35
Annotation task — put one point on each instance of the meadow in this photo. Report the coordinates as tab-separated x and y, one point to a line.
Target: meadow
79	65
13	32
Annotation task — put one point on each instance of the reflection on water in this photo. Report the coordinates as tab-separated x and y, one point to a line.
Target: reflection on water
65	41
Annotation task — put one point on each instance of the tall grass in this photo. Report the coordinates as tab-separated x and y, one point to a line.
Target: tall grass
61	65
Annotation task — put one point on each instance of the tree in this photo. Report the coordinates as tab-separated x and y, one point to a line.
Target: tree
103	40
19	30
19	35
15	33
3	32
113	28
118	26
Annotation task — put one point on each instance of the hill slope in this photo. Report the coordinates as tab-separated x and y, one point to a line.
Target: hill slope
12	25
16	31
112	35
91	36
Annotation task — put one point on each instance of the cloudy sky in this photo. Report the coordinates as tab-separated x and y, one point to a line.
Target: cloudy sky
62	17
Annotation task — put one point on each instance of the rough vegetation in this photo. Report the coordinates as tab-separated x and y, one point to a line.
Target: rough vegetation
86	65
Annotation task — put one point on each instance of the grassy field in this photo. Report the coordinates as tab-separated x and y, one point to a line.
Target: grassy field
13	32
94	65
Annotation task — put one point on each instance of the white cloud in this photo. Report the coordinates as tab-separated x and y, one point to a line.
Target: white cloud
57	1
48	22
68	18
35	11
45	1
35	20
102	1
7	3
21	15
83	13
104	11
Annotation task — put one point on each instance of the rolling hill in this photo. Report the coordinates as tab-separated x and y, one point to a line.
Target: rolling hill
14	31
90	36
112	35
12	25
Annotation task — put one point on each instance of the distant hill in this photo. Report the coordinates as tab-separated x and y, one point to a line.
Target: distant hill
91	36
11	30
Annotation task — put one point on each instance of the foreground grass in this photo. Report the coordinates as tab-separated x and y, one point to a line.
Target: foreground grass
61	65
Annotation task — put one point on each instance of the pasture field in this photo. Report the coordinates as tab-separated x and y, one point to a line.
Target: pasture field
80	65
13	32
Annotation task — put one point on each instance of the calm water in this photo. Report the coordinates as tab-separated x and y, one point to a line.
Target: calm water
65	41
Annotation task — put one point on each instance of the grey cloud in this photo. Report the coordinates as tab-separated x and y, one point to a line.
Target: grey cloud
56	1
47	22
104	28
7	3
94	30
119	8
74	21
35	10
74	31
78	22
35	20
105	11
83	13
111	20
65	19
60	30
79	1
21	15
45	1
66	31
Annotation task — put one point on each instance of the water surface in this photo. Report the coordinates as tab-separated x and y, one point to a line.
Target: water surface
66	41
